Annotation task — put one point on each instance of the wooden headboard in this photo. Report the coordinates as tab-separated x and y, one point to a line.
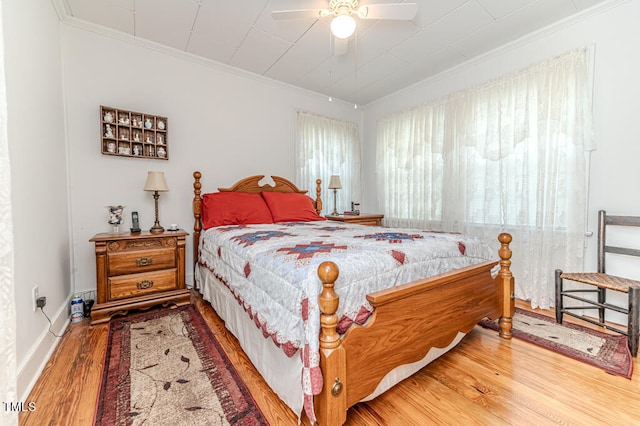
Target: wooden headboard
249	185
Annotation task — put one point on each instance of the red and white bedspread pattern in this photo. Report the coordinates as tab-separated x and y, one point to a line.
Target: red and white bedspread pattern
272	271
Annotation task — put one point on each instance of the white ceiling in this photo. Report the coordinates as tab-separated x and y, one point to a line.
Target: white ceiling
390	55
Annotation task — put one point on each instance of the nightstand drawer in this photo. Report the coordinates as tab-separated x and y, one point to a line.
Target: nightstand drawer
142	261
372	222
126	286
368	219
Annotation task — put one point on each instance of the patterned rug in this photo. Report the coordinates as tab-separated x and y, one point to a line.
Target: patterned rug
607	351
166	368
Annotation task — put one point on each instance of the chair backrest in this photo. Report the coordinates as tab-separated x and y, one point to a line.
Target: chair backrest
605	220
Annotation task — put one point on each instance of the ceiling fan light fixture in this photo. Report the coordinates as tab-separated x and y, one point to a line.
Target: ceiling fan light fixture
343	26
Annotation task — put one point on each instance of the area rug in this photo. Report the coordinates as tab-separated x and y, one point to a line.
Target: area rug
166	368
607	351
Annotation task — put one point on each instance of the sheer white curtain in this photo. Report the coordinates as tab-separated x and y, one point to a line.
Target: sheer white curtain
8	391
511	155
327	146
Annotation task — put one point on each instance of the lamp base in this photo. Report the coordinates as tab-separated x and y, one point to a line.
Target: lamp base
156	229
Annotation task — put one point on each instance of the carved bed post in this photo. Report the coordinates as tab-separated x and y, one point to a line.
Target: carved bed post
506	286
318	199
331	403
197	226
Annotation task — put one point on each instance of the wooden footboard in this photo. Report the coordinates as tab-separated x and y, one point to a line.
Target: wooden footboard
408	320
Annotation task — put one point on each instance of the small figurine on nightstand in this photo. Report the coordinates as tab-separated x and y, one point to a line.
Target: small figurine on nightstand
115	217
108	131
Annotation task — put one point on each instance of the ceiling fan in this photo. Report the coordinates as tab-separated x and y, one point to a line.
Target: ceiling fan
343	24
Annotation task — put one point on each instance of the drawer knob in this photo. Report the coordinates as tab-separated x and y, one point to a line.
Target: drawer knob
144	284
144	261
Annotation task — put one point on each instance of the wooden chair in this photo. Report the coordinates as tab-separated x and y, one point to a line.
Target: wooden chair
603	282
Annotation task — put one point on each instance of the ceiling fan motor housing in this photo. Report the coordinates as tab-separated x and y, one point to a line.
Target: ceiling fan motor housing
343	7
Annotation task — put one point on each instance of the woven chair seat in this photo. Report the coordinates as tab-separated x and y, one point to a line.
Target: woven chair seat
602	280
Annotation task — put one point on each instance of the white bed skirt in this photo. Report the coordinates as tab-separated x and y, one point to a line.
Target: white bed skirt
284	374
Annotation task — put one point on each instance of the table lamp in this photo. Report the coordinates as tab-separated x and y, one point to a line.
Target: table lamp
334	183
156	183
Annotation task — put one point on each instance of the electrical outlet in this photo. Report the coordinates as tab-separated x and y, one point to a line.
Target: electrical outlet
41	302
35	294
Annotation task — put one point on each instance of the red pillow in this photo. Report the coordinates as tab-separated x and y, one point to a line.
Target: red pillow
233	208
290	207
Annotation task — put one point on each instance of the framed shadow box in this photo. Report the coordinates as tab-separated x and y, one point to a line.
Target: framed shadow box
125	133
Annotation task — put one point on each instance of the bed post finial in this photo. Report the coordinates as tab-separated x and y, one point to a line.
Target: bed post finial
197	213
328	301
331	402
506	286
318	198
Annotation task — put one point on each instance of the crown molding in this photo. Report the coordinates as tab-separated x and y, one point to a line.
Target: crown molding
62	8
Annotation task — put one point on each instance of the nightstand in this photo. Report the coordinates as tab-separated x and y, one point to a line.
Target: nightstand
137	271
362	218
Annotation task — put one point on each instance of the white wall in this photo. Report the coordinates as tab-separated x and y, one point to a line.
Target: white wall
38	172
225	123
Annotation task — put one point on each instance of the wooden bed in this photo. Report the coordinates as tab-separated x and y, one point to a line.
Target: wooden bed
437	309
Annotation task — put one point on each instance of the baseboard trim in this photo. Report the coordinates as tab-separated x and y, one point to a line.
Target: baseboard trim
31	367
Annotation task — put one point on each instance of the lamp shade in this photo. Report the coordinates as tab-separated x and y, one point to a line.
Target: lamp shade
342	26
155	182
334	182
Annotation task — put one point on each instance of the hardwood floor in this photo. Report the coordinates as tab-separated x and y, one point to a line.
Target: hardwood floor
484	381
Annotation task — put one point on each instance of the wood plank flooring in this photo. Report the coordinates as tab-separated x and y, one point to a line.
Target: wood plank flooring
483	381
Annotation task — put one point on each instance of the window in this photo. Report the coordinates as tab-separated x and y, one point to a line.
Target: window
510	155
325	147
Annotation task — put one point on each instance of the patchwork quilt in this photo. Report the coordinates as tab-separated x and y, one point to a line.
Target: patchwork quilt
272	271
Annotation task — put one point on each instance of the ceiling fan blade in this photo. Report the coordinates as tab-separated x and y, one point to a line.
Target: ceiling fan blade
402	11
340	46
297	14
293	9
